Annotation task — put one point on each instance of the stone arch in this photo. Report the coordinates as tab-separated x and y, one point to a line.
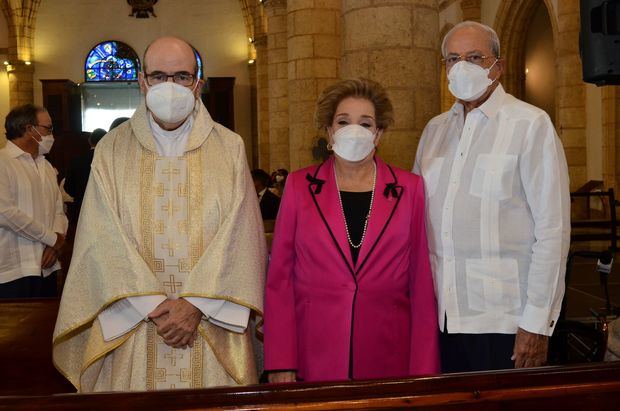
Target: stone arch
511	24
447	100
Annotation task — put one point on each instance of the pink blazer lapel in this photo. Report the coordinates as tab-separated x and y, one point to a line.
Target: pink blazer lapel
328	206
386	199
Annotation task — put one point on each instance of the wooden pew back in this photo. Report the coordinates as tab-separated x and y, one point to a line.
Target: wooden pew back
26	328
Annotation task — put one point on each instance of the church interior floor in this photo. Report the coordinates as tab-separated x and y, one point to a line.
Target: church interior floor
584	291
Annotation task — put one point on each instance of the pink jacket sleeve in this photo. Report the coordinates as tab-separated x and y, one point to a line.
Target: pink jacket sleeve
280	323
424	352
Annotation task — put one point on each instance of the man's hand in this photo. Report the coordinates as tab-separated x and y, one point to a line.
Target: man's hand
177	322
530	349
282	376
49	257
60	242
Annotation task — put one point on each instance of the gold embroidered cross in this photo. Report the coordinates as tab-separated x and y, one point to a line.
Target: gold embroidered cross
170	246
172	284
170	208
173	356
170	171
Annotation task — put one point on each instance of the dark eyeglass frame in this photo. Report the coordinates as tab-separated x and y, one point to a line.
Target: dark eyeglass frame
470	58
176	78
49	129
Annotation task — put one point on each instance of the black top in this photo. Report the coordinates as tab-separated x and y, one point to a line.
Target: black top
356	206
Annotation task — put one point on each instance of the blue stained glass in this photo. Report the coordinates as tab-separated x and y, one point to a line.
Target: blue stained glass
112	61
199	60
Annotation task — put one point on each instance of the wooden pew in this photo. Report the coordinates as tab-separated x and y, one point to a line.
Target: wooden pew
591	387
27	376
26	328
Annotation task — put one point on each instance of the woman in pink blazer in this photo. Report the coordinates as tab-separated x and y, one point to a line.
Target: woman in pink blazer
349	291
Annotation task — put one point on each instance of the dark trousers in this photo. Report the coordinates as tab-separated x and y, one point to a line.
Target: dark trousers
30	287
476	352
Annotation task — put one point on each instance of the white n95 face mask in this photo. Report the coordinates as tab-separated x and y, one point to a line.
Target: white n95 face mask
353	142
170	102
468	81
46	143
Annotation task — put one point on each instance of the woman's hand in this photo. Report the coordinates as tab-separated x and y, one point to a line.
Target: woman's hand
282	376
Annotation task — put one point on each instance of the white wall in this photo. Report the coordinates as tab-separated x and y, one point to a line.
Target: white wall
66	30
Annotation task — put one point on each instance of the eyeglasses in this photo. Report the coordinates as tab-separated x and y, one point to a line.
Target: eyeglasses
476	59
182	78
49	129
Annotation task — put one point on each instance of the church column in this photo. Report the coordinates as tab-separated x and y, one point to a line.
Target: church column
396	44
262	85
571	110
471	10
313	56
277	72
20	17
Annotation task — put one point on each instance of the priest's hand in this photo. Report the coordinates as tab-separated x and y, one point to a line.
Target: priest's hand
49	257
530	349
177	322
282	376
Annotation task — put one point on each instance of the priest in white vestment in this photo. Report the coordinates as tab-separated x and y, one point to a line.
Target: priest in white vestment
166	281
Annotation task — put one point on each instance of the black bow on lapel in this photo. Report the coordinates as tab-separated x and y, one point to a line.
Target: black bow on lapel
392	189
317	182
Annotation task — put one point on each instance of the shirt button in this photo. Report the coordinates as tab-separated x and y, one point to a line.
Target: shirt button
447	235
453	181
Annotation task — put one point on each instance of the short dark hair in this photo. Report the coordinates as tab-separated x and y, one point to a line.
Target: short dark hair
95	136
20	118
261	176
117	122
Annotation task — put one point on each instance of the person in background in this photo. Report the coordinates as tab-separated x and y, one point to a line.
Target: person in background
349	292
498	213
269	202
117	122
32	221
79	170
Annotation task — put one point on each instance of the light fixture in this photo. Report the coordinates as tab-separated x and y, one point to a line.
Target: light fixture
251	39
6	63
27	63
251	61
527	70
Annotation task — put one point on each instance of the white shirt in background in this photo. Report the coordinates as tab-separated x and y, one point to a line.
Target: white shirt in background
31	213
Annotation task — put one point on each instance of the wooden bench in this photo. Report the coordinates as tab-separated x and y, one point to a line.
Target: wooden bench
593	387
26	328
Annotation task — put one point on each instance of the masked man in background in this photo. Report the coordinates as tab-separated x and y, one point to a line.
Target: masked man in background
498	213
168	270
33	224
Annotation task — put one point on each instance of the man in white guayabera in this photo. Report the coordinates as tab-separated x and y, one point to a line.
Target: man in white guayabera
167	274
498	213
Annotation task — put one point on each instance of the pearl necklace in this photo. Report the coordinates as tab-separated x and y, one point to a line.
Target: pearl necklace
372	198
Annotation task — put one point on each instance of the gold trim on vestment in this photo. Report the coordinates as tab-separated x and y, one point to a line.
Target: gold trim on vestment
107	348
147	172
194	202
61	337
232	375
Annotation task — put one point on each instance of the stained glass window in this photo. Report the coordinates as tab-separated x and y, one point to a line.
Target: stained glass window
112	61
199	60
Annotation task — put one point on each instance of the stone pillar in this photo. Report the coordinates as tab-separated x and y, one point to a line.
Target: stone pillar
471	10
279	155
313	55
262	86
571	95
396	44
610	125
20	17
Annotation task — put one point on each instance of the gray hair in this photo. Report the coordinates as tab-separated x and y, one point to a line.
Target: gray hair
493	39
